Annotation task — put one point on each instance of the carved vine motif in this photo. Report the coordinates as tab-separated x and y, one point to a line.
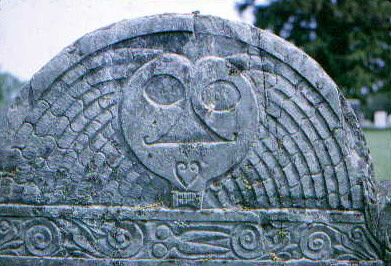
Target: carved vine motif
182	240
279	244
42	237
108	239
8	238
319	241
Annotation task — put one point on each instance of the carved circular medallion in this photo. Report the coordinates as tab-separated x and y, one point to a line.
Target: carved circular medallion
41	237
123	240
188	121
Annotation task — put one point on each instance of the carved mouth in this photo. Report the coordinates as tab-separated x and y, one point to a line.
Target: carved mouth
175	142
188	130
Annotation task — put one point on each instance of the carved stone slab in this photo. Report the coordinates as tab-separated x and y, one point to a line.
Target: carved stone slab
186	138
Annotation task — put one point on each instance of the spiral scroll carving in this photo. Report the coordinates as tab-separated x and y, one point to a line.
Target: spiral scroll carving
316	244
42	237
247	242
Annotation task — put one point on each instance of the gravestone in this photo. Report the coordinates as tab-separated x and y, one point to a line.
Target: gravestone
380	119
186	139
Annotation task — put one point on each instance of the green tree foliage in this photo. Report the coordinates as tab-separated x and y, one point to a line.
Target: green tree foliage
351	39
9	85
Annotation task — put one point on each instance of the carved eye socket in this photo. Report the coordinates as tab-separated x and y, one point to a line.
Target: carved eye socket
181	166
194	167
164	89
220	96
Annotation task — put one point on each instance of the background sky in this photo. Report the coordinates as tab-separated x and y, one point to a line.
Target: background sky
34	31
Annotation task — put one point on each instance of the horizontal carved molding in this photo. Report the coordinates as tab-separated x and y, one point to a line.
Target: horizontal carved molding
163	214
28	261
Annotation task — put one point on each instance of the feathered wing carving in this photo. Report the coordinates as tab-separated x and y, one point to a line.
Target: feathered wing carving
307	151
74	127
305	155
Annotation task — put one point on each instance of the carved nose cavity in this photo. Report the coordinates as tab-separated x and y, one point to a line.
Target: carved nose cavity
186	130
219	97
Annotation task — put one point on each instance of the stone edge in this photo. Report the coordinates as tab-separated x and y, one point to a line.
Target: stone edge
130	28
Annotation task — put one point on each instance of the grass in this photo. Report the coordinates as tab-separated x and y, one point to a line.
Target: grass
379	142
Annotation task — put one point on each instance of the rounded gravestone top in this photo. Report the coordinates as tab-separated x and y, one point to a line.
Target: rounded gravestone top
185	111
185	137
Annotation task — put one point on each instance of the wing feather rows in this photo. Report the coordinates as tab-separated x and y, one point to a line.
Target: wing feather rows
301	158
304	153
77	116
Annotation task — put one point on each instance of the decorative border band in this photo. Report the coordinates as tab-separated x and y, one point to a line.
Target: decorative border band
28	261
147	234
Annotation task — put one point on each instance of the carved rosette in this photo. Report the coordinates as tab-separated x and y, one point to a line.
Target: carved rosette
122	241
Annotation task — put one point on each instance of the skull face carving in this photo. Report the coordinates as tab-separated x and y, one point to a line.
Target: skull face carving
188	122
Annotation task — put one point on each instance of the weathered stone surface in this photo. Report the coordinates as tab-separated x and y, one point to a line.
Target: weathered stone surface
190	138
